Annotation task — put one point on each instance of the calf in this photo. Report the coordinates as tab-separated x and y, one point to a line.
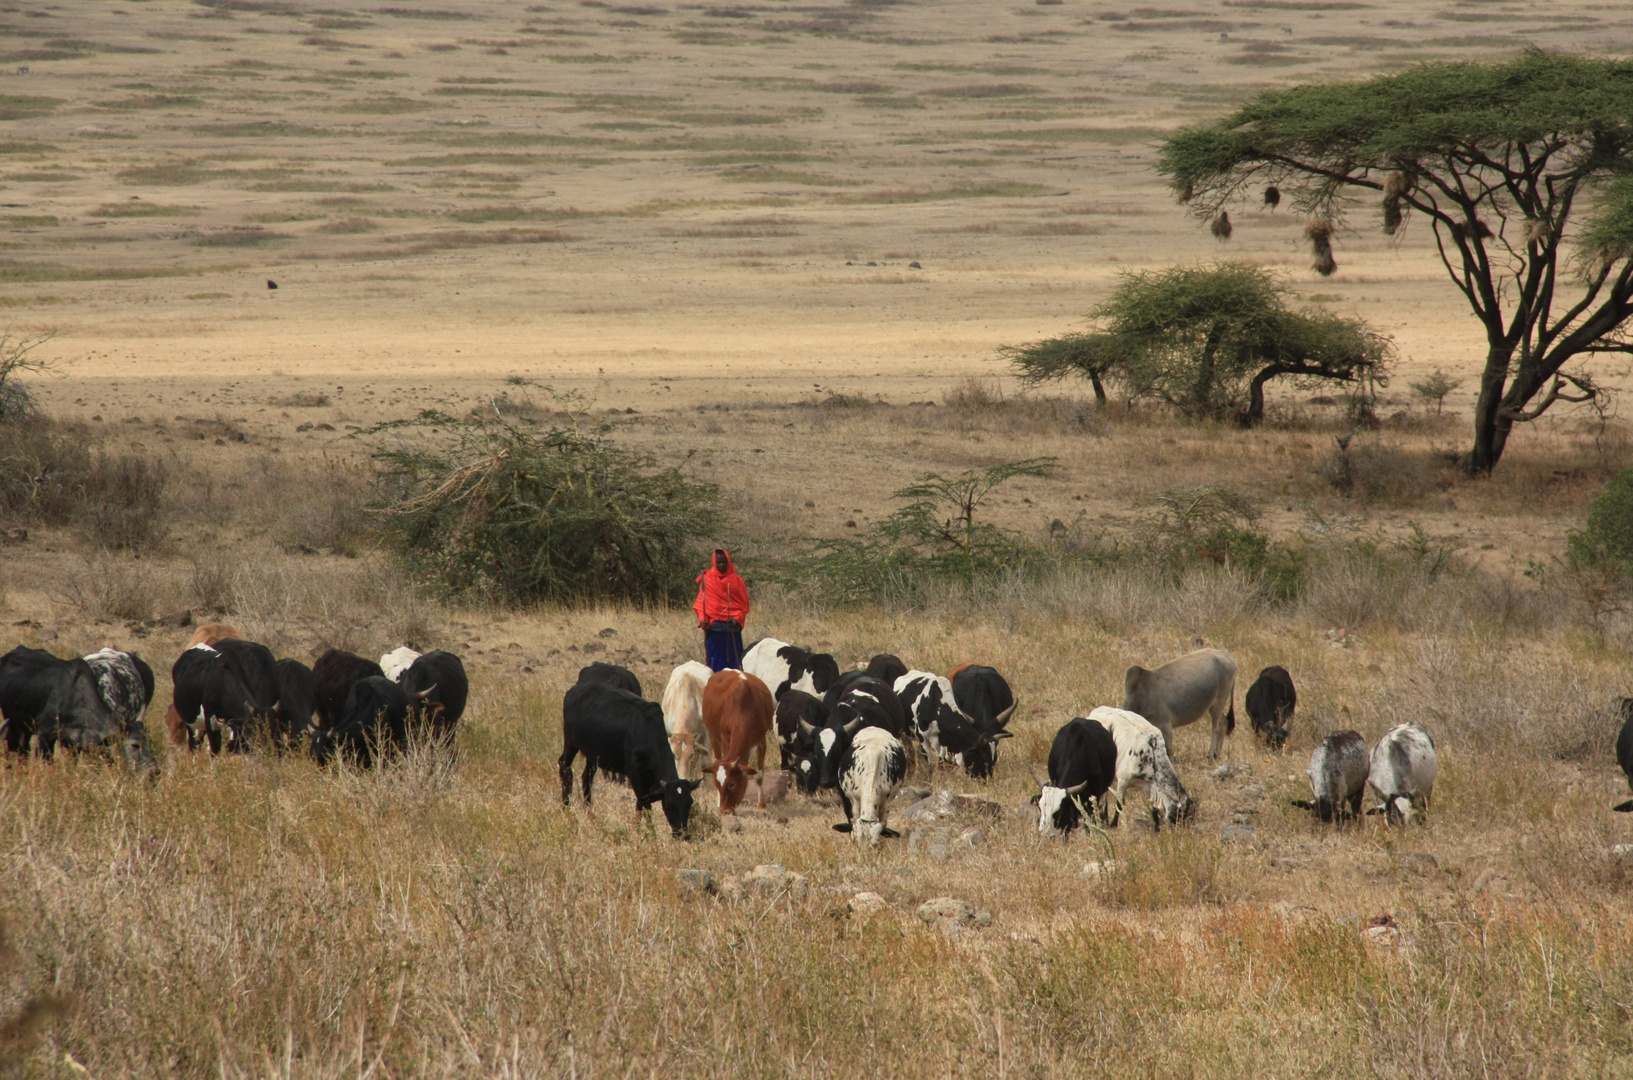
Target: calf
612	675
1198	684
49	702
887	668
1082	767
683	712
1270	704
1142	758
126	684
624	737
797	713
333	676
783	667
942	728
293	715
1338	777
207	634
1402	772
984	696
870	772
1624	751
437	688
737	712
373	724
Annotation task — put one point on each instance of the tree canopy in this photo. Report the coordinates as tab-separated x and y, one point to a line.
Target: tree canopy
1516	166
1206	339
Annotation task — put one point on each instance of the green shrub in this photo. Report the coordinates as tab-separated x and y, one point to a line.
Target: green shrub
43	465
523	514
123	500
1605	541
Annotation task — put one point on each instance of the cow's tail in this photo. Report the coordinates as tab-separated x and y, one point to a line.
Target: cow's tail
1230	719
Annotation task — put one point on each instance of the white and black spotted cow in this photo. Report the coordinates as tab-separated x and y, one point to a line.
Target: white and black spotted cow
783	667
46	703
871	768
1142	758
1403	772
1082	766
126	684
1338	776
944	730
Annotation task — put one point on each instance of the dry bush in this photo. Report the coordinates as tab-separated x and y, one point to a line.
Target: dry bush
107	587
43	465
124	502
1370	469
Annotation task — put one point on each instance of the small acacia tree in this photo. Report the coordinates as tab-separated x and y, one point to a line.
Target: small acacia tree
1206	340
1515	165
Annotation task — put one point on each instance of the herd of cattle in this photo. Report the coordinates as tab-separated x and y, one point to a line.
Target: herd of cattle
857	733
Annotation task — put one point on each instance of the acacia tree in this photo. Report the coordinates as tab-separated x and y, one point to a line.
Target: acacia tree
1524	170
1206	339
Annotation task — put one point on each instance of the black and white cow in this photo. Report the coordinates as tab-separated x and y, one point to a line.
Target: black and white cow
1402	772
1338	777
942	729
1082	767
294	712
1624	751
887	668
1142	758
798	713
333	677
783	667
373	724
612	675
984	696
854	703
221	696
623	736
46	702
871	768
126	684
437	686
1270	704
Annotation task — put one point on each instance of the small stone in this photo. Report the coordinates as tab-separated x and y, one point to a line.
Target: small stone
910	795
866	904
1382	937
852	874
775	785
592	647
1622	851
1236	832
914	265
1093	871
943	804
1252	791
732	888
948	913
971	837
696	880
924	841
974	804
607	632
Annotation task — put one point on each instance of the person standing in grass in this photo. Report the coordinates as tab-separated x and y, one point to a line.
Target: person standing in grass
722	608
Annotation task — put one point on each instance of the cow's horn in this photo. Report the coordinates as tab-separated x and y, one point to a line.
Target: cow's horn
423	694
1003	718
806	729
1075	788
855	725
1041	781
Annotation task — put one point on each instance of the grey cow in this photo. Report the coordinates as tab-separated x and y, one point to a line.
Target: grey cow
1182	691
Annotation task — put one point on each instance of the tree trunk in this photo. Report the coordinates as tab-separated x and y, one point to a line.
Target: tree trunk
1490	426
1255	395
1099	388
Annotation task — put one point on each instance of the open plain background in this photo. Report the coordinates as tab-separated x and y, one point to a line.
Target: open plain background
783	237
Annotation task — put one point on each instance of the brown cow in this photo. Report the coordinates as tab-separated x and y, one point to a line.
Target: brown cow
207	634
737	712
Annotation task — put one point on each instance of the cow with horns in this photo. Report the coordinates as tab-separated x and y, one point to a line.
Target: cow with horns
1082	767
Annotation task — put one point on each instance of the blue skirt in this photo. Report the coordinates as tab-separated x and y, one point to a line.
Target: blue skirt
723	644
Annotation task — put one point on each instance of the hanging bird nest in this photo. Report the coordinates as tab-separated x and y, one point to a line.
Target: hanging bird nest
1319	234
1272	196
1476	228
1392	214
1221	225
1538	231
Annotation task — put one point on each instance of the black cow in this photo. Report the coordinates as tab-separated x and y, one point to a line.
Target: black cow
982	695
623	736
784	667
1624	750
332	678
854	702
126	684
611	675
944	732
51	702
1270	704
437	689
887	668
794	709
222	695
294	712
1082	765
373	724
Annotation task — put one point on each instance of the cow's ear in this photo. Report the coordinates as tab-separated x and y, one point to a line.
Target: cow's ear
691	785
1302	804
1623	808
1035	799
1003	735
843	827
750	772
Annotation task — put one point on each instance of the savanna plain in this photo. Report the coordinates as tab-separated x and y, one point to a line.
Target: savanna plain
778	243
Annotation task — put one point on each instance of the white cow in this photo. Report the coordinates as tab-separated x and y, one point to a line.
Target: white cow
784	667
683	714
397	661
1403	772
870	772
1142	758
1338	776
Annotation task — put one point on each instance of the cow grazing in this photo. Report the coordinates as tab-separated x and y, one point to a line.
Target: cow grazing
870	772
49	702
854	703
737	712
1402	772
293	715
1142	758
1270	704
217	707
1624	751
126	684
1198	684
1082	767
984	696
437	688
887	668
332	679
942	729
373	724
783	667
612	675
792	708
683	713
207	634
623	736
258	670
1338	777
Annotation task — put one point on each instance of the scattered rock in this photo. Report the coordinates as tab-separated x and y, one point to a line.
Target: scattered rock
1093	871
932	841
775	784
696	880
1621	851
866	904
178	619
1252	791
910	795
943	804
1382	934
951	915
591	647
732	888
769	878
852	874
607	632
974	804
971	837
1225	772
1236	832
914	265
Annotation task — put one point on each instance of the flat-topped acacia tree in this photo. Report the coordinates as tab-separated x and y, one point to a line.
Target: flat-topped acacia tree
1524	170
